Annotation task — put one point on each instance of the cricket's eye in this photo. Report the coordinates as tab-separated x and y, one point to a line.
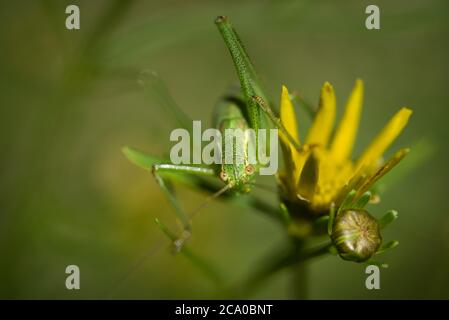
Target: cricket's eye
249	169
223	176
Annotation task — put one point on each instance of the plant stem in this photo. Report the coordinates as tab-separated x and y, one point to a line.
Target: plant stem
299	283
291	257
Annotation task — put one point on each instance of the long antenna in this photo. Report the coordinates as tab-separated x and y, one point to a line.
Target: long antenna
160	244
208	200
155	249
185	235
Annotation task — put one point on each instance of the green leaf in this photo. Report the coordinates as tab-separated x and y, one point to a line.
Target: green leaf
138	158
362	201
422	151
156	88
383	170
388	246
347	201
300	102
388	218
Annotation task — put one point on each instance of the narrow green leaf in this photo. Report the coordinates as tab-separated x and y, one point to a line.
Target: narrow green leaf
156	88
383	170
362	201
422	151
300	102
388	246
347	201
388	218
138	158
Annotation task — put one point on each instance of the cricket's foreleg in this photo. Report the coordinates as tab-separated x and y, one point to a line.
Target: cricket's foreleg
193	177
173	169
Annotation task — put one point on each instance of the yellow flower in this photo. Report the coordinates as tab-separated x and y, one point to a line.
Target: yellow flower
322	173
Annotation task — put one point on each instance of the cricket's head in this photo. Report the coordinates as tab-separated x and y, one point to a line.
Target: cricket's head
238	177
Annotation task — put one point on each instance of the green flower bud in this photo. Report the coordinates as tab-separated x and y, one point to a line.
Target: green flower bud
356	235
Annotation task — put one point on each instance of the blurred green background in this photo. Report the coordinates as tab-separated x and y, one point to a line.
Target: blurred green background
70	100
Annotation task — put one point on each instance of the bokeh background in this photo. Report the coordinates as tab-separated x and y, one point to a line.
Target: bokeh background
70	100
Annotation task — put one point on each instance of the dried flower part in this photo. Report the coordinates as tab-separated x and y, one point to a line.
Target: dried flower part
356	235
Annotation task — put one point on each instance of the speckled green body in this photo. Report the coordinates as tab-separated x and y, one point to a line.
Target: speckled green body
356	235
228	115
243	68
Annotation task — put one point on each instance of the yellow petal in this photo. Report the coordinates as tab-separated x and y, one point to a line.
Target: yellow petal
289	164
299	159
369	181
321	128
309	177
288	120
344	138
288	117
384	139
